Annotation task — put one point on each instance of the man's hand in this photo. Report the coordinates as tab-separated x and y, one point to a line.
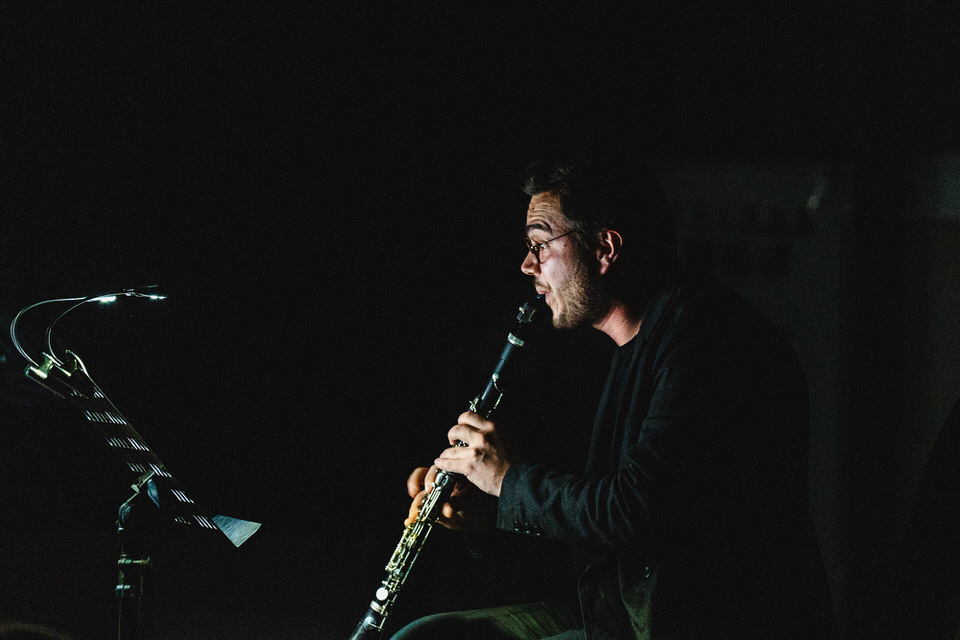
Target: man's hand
467	508
484	461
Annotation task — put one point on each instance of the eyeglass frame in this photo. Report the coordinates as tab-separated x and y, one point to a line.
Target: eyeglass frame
536	247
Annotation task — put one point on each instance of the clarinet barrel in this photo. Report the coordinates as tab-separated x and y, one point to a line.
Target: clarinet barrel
415	534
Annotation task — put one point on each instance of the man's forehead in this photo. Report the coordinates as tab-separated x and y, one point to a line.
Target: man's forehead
544	212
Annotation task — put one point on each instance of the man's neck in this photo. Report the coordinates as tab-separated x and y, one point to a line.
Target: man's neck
621	322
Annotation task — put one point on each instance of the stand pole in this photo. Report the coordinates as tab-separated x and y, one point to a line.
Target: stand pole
131	570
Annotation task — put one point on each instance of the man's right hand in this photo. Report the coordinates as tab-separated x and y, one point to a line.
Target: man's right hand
466	509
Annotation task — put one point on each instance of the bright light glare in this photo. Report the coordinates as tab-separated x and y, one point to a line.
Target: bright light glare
104	299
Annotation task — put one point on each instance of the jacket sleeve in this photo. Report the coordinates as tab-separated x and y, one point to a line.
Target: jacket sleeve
670	458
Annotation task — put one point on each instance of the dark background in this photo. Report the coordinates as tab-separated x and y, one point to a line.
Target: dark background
330	200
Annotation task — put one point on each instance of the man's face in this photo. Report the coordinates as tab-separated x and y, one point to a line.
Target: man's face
565	272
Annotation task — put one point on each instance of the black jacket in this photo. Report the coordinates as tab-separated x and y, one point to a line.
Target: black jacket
691	520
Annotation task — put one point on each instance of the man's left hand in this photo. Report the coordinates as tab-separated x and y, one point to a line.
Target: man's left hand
484	461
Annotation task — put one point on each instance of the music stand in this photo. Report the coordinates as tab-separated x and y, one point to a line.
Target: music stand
71	381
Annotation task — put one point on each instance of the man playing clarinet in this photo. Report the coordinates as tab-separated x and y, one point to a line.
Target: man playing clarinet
690	519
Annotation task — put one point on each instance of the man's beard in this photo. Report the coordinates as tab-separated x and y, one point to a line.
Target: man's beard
584	303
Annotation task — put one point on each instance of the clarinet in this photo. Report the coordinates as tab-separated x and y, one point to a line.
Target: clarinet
415	534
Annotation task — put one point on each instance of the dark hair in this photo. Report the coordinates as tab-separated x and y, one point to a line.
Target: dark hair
627	198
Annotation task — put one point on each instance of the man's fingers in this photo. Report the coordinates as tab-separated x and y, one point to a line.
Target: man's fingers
452	518
460	433
473	420
414	508
448	515
448	511
419	484
415	481
421	478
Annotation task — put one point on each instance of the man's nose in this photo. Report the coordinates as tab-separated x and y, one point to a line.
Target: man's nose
529	266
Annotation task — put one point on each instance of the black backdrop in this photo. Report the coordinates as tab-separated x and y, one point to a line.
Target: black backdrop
330	200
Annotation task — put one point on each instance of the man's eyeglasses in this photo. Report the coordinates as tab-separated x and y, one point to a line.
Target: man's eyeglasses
536	247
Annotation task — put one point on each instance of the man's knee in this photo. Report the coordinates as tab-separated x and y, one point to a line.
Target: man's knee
452	626
530	621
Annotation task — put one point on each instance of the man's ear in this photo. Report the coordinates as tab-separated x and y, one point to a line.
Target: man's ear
608	249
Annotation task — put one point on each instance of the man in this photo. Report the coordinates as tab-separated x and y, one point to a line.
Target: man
691	518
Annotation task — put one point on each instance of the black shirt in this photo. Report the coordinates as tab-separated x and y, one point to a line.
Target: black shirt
691	519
